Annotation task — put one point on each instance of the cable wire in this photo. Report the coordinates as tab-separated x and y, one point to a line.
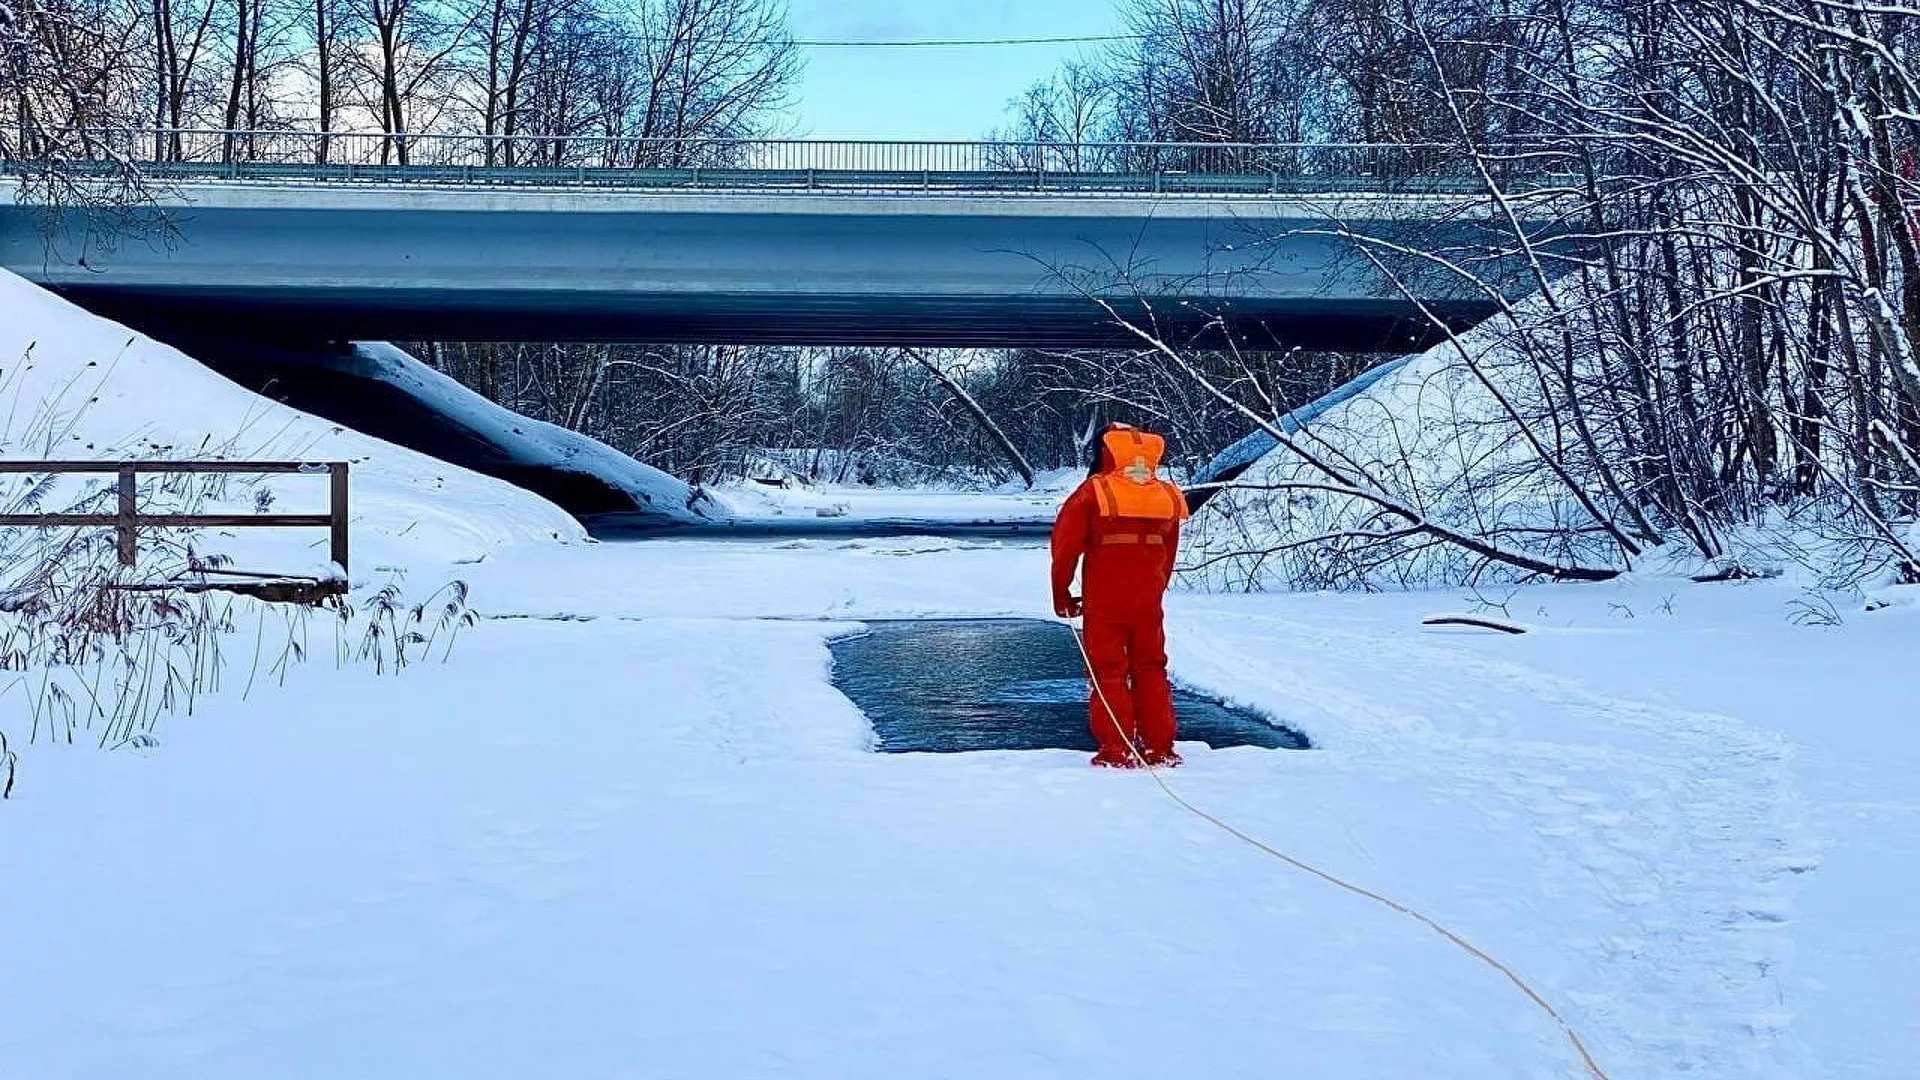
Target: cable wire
910	43
948	43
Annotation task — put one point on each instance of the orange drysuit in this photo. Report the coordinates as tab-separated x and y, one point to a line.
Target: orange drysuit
1124	521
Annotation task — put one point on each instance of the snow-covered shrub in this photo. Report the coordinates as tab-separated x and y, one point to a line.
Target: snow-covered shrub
866	468
1466	464
1381	485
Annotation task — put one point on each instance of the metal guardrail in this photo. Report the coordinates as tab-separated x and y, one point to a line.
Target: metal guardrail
809	164
128	521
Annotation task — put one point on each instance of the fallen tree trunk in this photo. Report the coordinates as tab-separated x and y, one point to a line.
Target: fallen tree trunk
1470	620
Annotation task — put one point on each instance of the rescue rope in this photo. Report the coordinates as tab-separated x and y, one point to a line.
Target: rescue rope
1573	1037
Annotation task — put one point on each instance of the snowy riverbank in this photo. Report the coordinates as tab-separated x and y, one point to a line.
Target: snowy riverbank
631	830
76	386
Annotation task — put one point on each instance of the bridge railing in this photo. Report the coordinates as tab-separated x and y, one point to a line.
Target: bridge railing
813	163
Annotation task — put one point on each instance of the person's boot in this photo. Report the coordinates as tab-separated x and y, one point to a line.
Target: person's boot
1163	759
1114	759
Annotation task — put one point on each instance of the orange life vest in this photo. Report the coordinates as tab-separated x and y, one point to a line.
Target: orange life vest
1130	486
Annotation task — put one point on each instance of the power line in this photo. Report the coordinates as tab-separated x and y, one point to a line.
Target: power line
949	43
904	43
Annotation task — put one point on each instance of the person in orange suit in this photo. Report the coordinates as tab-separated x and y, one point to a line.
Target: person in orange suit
1123	522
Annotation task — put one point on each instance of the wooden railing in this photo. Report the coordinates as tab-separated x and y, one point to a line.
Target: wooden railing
128	520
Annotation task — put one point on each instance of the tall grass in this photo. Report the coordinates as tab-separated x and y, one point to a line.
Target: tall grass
93	651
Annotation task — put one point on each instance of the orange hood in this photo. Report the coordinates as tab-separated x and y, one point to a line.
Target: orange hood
1129	484
1132	453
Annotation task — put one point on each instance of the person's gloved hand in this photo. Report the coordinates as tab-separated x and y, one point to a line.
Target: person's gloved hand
1068	607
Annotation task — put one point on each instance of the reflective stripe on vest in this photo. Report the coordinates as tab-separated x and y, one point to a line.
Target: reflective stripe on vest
1103	497
1152	539
1155	500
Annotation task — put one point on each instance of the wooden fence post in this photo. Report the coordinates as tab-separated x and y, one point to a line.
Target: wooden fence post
126	521
337	474
125	526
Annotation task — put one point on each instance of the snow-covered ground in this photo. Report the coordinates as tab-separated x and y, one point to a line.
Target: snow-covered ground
630	830
751	501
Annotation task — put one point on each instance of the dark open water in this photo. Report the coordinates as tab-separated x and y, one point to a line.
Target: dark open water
949	685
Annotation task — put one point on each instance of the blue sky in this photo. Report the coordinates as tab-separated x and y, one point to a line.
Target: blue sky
929	93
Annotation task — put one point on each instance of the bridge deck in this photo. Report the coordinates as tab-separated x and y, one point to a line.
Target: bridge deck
813	244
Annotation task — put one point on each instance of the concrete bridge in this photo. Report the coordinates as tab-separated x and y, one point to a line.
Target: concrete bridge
343	241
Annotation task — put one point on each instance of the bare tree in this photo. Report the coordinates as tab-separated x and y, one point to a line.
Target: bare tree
1215	71
261	43
327	23
704	72
978	413
533	66
1056	119
408	69
68	91
1713	203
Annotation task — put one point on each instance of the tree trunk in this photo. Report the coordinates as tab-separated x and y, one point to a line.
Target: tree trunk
980	417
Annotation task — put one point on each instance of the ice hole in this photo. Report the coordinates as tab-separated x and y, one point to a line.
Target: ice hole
953	685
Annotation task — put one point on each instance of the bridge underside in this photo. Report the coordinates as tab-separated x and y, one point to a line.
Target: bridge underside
978	322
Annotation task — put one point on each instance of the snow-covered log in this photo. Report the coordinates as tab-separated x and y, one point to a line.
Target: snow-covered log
379	389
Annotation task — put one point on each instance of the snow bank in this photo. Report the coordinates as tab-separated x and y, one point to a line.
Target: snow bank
831	467
751	501
778	493
73	385
1427	433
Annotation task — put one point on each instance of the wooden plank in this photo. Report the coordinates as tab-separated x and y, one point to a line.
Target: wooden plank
279	591
174	521
261	467
238	521
25	520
